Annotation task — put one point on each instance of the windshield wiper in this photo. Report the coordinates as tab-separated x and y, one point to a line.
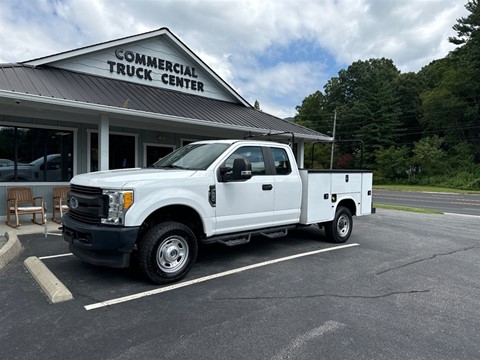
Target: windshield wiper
171	166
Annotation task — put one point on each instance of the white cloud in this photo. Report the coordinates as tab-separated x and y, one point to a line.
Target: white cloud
234	37
276	109
282	81
221	65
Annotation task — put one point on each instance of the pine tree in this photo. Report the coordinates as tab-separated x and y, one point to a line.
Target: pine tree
467	28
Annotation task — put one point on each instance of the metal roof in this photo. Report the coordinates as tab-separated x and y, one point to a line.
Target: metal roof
47	82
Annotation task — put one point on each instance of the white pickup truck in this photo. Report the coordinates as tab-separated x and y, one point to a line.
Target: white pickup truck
209	191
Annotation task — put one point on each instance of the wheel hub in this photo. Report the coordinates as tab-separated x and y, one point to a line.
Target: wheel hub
343	226
172	254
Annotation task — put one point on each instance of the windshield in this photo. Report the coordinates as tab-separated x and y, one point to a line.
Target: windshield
192	157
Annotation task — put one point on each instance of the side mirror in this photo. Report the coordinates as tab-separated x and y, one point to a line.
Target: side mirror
242	169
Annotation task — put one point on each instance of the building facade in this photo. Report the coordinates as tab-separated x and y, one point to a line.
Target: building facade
120	104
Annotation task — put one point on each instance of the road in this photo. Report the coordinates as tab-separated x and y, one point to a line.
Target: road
444	202
402	290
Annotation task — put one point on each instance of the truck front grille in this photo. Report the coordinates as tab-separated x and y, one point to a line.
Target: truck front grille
87	190
92	205
84	218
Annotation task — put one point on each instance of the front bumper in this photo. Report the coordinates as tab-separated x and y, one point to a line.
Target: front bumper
100	245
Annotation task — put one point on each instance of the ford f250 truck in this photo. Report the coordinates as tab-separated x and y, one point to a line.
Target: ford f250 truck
221	191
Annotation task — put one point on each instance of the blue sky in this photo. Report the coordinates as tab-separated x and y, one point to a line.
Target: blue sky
277	52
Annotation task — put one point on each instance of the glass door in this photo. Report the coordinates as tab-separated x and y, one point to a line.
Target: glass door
121	151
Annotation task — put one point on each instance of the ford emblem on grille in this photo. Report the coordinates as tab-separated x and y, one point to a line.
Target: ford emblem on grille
73	202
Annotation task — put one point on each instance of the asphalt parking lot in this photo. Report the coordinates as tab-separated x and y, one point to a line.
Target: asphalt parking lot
409	290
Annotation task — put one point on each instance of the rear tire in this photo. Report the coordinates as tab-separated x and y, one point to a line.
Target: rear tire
339	230
167	252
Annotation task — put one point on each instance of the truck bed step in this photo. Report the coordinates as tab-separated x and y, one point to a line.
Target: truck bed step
275	234
244	237
235	241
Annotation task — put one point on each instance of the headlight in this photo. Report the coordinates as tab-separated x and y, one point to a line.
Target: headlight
119	201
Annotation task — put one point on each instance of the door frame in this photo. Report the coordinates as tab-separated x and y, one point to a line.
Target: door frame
89	145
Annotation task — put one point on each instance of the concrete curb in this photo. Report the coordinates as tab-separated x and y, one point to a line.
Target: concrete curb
10	250
51	286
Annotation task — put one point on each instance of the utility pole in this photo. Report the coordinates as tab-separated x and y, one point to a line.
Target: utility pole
333	142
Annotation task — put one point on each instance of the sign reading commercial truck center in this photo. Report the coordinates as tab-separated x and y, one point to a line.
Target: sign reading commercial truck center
158	61
142	66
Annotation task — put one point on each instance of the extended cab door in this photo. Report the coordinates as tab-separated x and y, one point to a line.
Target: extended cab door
288	187
245	204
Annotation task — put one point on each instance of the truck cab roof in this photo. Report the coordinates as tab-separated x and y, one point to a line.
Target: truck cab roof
245	142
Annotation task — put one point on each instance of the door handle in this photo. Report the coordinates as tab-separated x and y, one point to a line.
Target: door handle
267	187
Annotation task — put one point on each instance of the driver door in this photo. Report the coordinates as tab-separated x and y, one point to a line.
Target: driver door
245	204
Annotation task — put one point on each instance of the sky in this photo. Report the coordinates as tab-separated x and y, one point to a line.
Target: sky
274	51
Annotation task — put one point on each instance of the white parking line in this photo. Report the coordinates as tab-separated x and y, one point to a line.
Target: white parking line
464	215
54	256
209	277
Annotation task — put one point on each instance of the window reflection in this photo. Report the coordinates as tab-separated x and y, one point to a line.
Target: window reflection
37	155
253	154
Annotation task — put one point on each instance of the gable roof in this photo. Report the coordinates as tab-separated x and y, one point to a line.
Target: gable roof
164	33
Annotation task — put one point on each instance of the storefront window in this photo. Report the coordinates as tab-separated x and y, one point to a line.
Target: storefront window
35	155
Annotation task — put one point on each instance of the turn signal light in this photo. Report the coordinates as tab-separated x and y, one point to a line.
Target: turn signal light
127	199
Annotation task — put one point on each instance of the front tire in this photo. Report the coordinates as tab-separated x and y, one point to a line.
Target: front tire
167	252
339	230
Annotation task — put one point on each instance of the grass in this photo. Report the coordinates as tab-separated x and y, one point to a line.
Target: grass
406	208
424	189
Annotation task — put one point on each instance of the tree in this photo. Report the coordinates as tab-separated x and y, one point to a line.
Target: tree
408	89
467	59
256	106
314	114
429	156
451	101
462	157
394	162
366	96
467	28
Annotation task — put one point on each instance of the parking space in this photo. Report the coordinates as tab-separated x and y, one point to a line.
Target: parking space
410	289
108	286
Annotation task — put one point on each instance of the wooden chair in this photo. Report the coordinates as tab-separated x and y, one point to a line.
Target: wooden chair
20	201
59	201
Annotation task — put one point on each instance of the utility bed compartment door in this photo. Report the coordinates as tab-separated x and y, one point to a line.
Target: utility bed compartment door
345	182
367	203
316	202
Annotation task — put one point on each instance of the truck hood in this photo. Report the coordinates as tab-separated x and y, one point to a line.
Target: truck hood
117	179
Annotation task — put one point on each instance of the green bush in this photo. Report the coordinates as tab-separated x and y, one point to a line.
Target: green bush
463	180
